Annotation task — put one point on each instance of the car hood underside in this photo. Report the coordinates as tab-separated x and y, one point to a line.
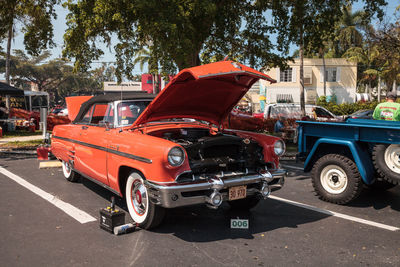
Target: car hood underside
207	92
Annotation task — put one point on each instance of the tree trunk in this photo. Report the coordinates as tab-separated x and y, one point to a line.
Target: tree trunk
394	89
379	88
8	57
323	68
302	101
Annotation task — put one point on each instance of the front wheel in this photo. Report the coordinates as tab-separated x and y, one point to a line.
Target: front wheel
69	173
336	179
142	210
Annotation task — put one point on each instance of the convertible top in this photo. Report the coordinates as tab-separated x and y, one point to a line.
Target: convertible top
111	98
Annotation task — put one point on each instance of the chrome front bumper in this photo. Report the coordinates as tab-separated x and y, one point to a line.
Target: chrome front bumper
178	195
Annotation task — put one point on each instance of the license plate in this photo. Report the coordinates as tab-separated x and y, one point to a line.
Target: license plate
237	192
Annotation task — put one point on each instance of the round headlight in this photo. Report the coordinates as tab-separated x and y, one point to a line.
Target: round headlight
279	148
176	156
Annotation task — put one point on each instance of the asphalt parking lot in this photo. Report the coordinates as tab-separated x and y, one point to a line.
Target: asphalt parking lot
293	227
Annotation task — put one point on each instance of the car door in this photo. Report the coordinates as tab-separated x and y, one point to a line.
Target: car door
91	150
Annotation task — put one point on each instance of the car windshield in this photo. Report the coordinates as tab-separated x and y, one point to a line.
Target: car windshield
286	111
129	111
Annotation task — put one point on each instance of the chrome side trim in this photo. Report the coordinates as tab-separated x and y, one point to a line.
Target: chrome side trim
116	152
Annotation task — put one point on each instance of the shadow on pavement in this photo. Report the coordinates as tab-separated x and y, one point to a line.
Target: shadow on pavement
201	224
378	199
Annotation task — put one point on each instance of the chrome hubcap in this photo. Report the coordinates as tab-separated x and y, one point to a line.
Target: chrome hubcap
67	168
333	179
392	158
139	197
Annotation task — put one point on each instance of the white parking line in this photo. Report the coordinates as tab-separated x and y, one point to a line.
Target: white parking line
337	214
72	211
292	167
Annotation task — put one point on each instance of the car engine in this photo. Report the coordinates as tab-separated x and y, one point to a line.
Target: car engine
216	153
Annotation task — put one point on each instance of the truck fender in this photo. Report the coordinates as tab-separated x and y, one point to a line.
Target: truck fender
360	156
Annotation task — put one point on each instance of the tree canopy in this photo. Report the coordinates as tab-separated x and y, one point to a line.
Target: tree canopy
176	31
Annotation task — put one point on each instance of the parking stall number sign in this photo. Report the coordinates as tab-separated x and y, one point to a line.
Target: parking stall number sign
239	223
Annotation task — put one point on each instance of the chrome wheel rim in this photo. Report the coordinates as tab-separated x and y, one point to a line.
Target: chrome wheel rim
139	197
392	158
333	179
66	169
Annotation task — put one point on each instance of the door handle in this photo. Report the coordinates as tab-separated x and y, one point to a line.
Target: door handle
84	127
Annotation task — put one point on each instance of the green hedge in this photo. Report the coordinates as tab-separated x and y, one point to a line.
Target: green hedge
346	108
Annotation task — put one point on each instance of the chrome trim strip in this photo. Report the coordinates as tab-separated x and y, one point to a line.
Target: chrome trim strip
119	153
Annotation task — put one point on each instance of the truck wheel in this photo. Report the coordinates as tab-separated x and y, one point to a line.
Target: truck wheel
69	173
386	160
245	203
336	179
142	210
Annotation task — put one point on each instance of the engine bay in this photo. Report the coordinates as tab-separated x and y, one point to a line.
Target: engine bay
214	152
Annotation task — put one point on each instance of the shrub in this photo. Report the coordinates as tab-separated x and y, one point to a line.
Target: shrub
345	108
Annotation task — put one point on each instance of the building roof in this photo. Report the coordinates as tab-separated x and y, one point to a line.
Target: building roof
6	89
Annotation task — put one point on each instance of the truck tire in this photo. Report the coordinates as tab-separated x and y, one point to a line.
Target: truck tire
144	212
244	204
386	160
336	179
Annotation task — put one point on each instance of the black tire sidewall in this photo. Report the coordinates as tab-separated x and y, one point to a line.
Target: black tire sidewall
378	158
354	181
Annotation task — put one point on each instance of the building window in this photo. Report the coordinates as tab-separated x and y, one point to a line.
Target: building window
307	75
286	76
331	74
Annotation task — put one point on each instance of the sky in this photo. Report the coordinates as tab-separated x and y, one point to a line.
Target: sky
60	27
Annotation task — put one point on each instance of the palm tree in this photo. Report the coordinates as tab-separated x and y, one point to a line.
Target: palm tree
144	56
348	31
365	57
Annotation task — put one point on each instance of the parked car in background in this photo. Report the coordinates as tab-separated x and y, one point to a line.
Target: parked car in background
293	111
172	150
362	114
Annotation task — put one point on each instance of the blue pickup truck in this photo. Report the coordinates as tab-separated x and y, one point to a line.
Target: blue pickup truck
343	157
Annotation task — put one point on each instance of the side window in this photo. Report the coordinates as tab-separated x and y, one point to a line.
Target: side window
322	113
95	114
110	115
88	115
99	113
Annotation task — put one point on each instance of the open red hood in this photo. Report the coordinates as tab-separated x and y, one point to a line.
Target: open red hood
207	92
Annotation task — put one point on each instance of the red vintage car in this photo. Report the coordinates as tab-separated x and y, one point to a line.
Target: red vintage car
172	150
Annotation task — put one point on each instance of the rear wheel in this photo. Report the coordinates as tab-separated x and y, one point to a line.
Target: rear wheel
244	204
386	160
336	179
69	173
142	210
